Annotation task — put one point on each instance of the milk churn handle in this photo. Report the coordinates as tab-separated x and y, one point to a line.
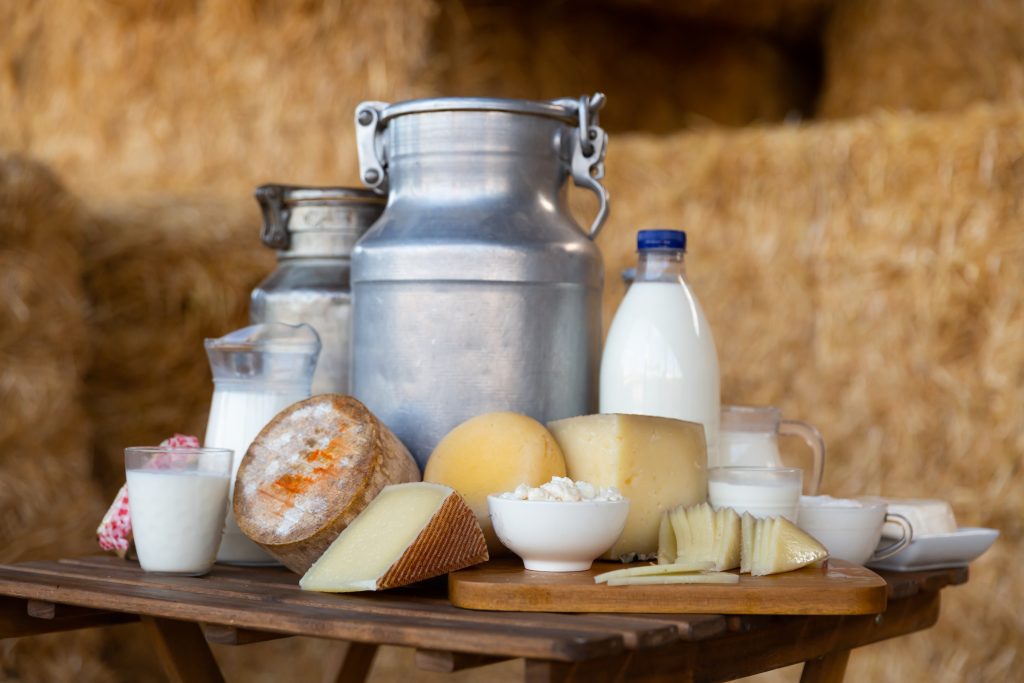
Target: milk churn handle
368	145
588	156
274	233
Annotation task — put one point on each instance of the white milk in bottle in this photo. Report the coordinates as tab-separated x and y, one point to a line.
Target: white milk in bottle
258	371
659	358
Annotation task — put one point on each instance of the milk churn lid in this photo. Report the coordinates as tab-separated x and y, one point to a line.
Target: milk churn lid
661	239
565	109
291	208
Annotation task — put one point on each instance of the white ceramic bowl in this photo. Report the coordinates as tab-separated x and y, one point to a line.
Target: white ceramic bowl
557	536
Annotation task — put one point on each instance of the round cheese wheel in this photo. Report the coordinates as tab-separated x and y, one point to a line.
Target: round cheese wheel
310	471
494	453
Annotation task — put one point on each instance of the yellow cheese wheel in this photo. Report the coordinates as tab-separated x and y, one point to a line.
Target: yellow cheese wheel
494	453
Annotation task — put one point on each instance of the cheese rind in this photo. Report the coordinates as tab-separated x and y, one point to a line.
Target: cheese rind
655	462
491	454
410	532
310	471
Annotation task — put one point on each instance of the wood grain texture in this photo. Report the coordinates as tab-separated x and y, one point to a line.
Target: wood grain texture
828	669
503	584
183	651
356	664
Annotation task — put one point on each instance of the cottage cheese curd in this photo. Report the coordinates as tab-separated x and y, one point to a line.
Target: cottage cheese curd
563	489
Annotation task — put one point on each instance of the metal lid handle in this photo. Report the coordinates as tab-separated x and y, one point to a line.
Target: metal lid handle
368	142
588	152
275	220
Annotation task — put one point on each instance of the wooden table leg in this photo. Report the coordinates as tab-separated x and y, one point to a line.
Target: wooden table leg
827	669
604	670
355	667
183	651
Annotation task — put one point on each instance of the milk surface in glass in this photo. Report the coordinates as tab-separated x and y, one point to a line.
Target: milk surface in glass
761	491
660	358
177	518
236	416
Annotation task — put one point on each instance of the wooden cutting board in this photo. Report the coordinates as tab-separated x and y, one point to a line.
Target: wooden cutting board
503	585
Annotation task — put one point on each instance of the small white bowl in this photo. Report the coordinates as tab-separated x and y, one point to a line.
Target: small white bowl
556	536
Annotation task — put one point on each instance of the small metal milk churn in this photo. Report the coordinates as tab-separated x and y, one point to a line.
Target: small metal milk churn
314	230
476	290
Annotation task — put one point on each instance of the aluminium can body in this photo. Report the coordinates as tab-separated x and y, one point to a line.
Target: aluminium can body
476	290
314	231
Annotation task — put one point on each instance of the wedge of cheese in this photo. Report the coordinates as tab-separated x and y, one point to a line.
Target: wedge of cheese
310	471
781	546
410	532
494	453
655	462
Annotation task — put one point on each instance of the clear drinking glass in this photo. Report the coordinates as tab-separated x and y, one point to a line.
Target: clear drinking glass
177	500
761	491
749	437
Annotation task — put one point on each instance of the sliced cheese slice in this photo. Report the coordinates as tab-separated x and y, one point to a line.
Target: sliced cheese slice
666	540
727	539
746	542
709	577
781	546
408	533
654	569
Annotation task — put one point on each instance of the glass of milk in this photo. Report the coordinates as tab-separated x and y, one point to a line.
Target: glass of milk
761	491
749	437
177	500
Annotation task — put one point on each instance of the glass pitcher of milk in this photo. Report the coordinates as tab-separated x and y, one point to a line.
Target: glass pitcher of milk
749	437
257	372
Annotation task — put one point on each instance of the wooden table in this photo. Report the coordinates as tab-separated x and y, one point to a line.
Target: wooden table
236	606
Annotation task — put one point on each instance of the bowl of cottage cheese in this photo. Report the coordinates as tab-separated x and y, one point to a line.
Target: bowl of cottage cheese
559	526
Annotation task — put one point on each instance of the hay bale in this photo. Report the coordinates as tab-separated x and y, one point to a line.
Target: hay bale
108	92
44	437
922	55
659	76
865	276
799	20
163	274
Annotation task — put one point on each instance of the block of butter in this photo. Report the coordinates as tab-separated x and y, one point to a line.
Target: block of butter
926	516
655	462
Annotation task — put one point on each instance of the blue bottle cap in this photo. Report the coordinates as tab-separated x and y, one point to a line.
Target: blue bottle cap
661	239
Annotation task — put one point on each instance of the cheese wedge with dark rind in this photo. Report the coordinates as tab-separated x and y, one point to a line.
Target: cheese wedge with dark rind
310	471
410	532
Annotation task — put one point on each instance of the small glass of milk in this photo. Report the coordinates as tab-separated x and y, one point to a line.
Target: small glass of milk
761	491
177	500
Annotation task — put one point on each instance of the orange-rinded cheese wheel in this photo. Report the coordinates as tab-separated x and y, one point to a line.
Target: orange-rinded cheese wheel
310	471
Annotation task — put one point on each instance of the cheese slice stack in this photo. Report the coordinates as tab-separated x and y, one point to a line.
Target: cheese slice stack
700	534
655	462
410	532
779	546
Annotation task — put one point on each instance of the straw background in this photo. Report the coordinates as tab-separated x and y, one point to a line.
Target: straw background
49	504
861	270
922	55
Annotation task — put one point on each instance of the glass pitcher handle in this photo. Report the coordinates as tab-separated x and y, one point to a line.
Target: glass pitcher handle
812	437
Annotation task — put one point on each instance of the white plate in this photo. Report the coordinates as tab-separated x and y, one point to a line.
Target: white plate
938	551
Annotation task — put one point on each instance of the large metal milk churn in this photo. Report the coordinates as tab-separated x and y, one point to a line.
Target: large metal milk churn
476	290
314	230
